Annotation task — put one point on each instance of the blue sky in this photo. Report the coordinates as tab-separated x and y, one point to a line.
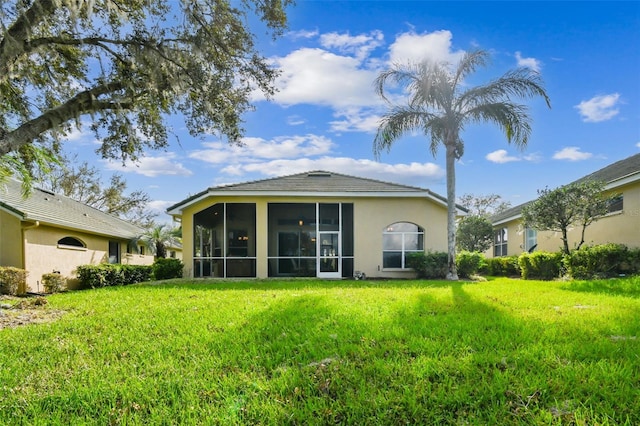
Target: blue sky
326	112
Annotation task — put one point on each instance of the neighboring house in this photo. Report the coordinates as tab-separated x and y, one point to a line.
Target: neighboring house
317	224
47	232
621	225
174	251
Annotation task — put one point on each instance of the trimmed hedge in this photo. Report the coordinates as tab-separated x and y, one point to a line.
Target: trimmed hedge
540	265
602	261
469	263
429	265
167	268
106	275
53	282
434	265
12	280
505	266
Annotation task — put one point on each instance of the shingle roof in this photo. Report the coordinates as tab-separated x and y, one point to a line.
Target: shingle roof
58	210
627	167
314	182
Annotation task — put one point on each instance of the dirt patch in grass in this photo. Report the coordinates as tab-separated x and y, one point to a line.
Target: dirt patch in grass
17	311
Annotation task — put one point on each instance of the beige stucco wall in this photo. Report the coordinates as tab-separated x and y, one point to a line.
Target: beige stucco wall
10	240
371	216
619	227
43	255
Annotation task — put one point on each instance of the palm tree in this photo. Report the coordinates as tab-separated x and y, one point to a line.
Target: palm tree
441	105
160	236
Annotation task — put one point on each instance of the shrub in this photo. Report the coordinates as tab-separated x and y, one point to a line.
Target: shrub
505	266
429	265
12	280
91	276
53	282
602	261
136	273
469	263
167	268
104	275
540	265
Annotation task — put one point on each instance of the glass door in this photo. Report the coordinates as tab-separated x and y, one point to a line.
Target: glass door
329	241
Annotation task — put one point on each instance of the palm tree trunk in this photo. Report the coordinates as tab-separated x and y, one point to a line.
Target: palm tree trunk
452	274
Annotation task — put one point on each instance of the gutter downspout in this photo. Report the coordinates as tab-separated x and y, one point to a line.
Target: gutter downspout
24	247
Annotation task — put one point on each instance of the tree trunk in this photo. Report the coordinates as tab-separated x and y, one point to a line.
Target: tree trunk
565	240
452	274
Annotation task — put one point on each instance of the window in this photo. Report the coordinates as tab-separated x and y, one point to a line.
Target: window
616	204
530	239
70	242
500	242
114	252
398	241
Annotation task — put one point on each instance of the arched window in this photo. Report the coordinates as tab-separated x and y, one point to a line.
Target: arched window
398	241
70	242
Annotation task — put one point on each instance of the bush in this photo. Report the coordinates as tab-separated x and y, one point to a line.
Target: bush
53	282
505	266
602	261
164	269
12	280
540	265
105	275
469	263
429	265
136	273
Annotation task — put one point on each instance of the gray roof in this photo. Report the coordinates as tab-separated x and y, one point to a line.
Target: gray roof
314	182
610	174
60	211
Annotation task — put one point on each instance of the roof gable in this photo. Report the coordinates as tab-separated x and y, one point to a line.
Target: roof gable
61	211
612	175
317	182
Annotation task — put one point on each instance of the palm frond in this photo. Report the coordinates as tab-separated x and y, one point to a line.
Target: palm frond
399	121
469	63
522	83
512	118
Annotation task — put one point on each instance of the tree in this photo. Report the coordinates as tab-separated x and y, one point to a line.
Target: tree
474	233
440	104
158	238
83	183
126	66
578	204
483	205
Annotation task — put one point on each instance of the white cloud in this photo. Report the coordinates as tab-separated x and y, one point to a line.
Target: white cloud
418	174
435	46
295	120
255	149
360	45
599	108
159	206
355	120
302	34
500	156
638	144
532	63
319	77
572	153
164	165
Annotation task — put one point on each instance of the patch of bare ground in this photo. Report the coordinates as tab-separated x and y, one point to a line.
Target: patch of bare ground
18	311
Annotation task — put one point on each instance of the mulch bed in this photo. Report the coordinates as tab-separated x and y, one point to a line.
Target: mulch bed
18	311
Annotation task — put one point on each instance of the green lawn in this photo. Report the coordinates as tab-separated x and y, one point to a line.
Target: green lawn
332	352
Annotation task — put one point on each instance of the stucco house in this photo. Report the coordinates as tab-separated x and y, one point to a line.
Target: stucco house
317	224
621	225
48	232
